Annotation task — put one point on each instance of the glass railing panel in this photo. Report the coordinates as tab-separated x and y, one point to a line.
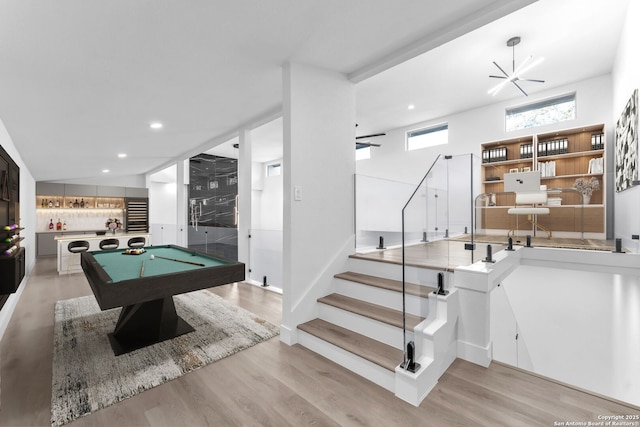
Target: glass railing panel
463	186
221	241
265	257
567	218
377	205
437	226
439	210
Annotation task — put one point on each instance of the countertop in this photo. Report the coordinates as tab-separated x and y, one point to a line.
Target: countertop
70	236
92	230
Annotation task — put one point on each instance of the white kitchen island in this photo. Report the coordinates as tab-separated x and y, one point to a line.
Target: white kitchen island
70	262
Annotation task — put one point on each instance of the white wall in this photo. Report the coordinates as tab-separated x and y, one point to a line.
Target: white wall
319	117
592	344
266	225
269	217
626	78
469	129
163	212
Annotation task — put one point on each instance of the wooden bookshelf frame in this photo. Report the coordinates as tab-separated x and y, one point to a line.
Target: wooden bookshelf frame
569	165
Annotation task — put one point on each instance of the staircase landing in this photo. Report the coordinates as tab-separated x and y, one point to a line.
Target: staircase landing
443	255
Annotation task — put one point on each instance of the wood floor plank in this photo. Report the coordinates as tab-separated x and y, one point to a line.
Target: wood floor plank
374	351
483	406
274	394
373	311
389	284
269	383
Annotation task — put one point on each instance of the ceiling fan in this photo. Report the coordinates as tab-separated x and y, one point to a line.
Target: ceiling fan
514	77
365	144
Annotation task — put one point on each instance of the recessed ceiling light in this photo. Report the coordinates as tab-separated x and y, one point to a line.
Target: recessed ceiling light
411	107
105	170
122	155
156	125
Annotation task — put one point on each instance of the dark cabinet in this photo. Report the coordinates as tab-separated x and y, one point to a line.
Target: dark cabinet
11	271
12	259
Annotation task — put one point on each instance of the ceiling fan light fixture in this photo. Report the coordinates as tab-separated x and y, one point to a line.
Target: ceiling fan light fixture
514	77
530	66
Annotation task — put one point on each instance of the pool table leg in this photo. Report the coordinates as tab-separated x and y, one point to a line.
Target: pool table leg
140	325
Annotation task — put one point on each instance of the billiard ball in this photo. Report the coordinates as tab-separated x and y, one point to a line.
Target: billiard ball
151	256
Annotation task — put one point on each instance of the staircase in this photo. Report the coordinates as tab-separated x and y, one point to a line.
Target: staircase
359	326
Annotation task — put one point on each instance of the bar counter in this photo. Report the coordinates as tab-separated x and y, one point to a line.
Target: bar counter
69	262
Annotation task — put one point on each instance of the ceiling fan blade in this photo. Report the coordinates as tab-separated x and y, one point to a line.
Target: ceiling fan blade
373	135
532	80
500	68
499	77
366	144
521	90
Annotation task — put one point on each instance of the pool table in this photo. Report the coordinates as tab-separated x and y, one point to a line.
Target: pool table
145	294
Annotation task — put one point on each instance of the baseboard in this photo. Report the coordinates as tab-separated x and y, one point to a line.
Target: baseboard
288	336
573	387
475	354
266	288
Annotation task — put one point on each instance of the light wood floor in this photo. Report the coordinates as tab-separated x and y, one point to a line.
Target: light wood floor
447	254
273	384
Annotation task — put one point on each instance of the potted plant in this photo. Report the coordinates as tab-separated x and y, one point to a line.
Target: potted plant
587	187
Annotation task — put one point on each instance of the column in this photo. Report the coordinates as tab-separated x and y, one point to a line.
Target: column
182	202
319	164
244	197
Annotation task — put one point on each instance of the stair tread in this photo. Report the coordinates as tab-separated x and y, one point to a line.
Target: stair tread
369	349
389	284
372	311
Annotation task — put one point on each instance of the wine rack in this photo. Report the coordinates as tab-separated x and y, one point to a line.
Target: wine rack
137	214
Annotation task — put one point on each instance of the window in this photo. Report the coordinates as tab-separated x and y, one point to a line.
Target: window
274	169
554	110
363	151
428	137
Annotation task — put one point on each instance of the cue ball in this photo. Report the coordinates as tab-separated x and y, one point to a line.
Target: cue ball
151	257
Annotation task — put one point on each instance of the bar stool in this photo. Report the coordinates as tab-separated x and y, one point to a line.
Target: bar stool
109	244
76	247
137	242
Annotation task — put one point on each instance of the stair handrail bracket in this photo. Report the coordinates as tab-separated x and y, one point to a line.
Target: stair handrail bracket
436	339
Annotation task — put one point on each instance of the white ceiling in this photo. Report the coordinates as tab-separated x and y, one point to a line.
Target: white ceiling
81	81
578	40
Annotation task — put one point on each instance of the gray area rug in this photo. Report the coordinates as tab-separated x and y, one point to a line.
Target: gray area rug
87	376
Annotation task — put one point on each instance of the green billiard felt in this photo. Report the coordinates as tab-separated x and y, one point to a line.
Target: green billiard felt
120	267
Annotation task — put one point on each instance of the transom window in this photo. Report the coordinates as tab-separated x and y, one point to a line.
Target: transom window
428	137
274	169
554	110
363	152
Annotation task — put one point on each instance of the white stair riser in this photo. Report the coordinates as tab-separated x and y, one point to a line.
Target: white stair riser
377	374
384	297
370	328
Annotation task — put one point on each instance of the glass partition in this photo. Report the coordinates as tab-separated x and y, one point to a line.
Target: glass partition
377	205
564	215
265	257
441	210
437	230
222	241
